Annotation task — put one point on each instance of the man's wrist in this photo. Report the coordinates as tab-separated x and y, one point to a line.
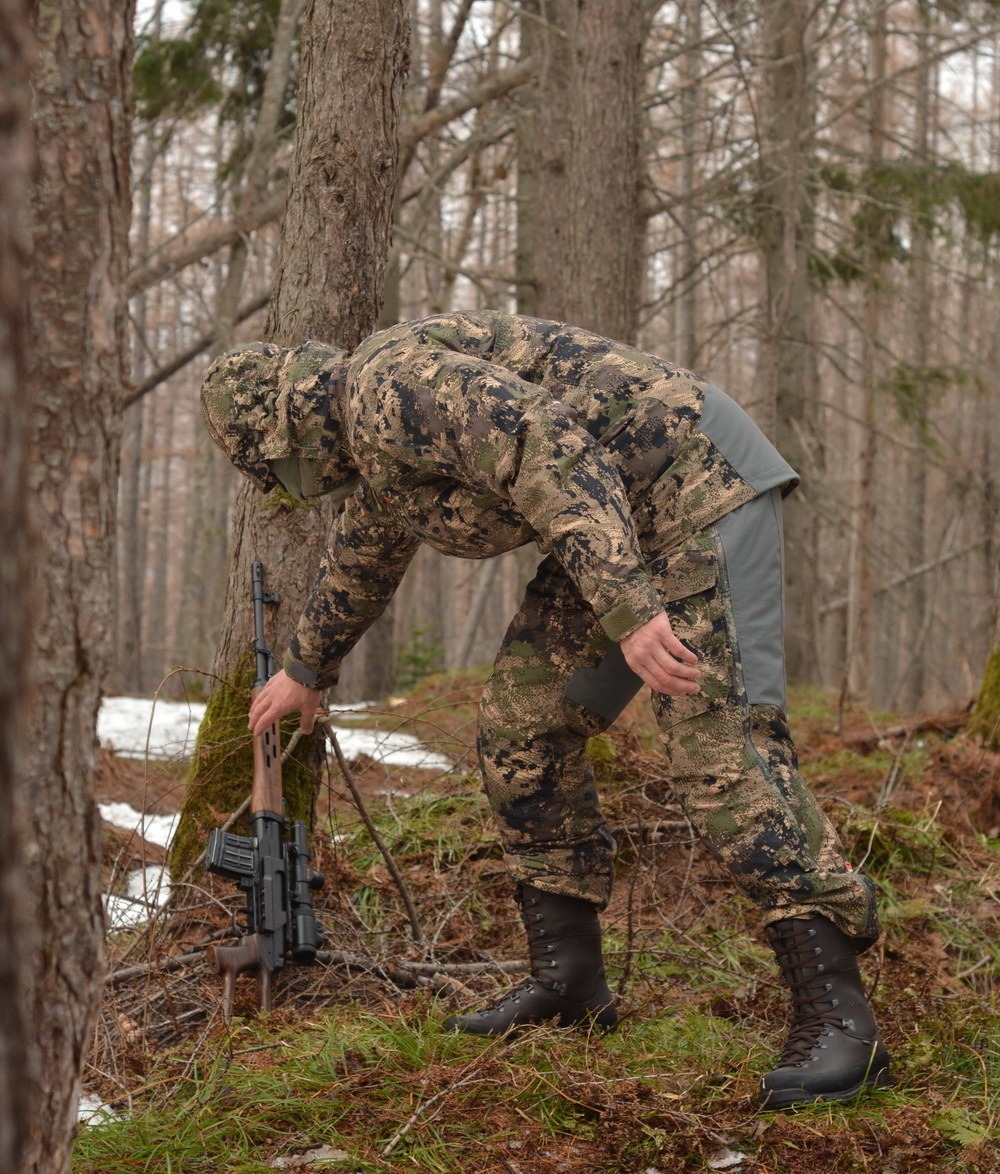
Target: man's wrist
299	672
640	605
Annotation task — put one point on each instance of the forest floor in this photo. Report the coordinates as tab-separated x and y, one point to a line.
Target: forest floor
352	1070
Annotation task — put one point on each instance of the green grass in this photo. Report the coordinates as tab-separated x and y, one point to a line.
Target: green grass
398	1093
366	1076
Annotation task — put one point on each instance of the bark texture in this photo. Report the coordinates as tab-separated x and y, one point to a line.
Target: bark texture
77	367
580	230
786	379
16	929
331	271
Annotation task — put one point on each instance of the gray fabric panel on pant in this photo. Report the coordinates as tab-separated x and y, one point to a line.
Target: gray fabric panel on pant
752	543
743	444
606	688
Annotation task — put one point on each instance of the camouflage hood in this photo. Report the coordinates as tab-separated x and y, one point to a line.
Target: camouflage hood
266	403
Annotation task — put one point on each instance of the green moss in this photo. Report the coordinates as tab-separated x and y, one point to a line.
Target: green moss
985	720
280	499
221	772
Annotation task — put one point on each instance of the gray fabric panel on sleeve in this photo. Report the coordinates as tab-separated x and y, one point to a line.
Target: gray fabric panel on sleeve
743	444
752	545
607	687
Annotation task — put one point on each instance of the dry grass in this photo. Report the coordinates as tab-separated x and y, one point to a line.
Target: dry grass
353	1072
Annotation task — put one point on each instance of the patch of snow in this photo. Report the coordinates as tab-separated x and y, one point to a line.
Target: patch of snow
726	1160
146	889
93	1111
390	749
157	829
150	884
139	727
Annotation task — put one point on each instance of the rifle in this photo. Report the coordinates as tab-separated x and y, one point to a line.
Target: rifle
280	921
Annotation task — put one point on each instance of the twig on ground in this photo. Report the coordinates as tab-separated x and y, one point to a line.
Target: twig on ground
397	876
178	962
421	1110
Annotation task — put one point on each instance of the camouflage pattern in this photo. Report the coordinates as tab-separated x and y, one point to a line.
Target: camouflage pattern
735	772
733	765
477	433
263	403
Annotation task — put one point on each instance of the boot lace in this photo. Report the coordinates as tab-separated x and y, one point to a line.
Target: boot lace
539	948
814	1009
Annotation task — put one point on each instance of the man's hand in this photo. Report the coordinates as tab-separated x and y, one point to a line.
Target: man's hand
280	696
663	662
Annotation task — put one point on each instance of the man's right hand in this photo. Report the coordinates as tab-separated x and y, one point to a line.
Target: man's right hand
281	696
661	659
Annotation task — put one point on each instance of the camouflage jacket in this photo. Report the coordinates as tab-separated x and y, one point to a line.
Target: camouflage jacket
479	432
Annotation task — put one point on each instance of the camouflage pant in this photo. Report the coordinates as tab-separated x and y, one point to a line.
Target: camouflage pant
733	763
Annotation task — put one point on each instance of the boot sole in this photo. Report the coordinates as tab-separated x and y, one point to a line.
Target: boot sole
791	1098
586	1022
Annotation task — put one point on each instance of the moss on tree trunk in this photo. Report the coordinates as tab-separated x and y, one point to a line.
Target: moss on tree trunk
985	720
221	771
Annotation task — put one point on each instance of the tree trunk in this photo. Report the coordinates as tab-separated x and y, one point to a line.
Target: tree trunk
579	226
77	369
786	379
912	672
335	243
985	721
860	634
18	1059
202	600
690	250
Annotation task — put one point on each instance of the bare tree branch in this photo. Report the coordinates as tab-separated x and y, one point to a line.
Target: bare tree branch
214	235
198	347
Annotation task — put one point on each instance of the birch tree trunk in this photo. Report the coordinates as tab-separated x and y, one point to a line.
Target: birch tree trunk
18	1060
335	242
77	368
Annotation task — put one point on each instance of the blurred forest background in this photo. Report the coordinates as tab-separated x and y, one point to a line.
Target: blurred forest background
799	200
803	203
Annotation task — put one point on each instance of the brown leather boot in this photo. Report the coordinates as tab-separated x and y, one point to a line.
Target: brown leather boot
833	1050
567	983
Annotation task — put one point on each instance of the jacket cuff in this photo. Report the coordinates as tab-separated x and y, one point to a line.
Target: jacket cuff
640	605
302	673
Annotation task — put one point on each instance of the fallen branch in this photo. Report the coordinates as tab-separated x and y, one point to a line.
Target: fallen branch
178	962
345	957
327	957
421	1110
